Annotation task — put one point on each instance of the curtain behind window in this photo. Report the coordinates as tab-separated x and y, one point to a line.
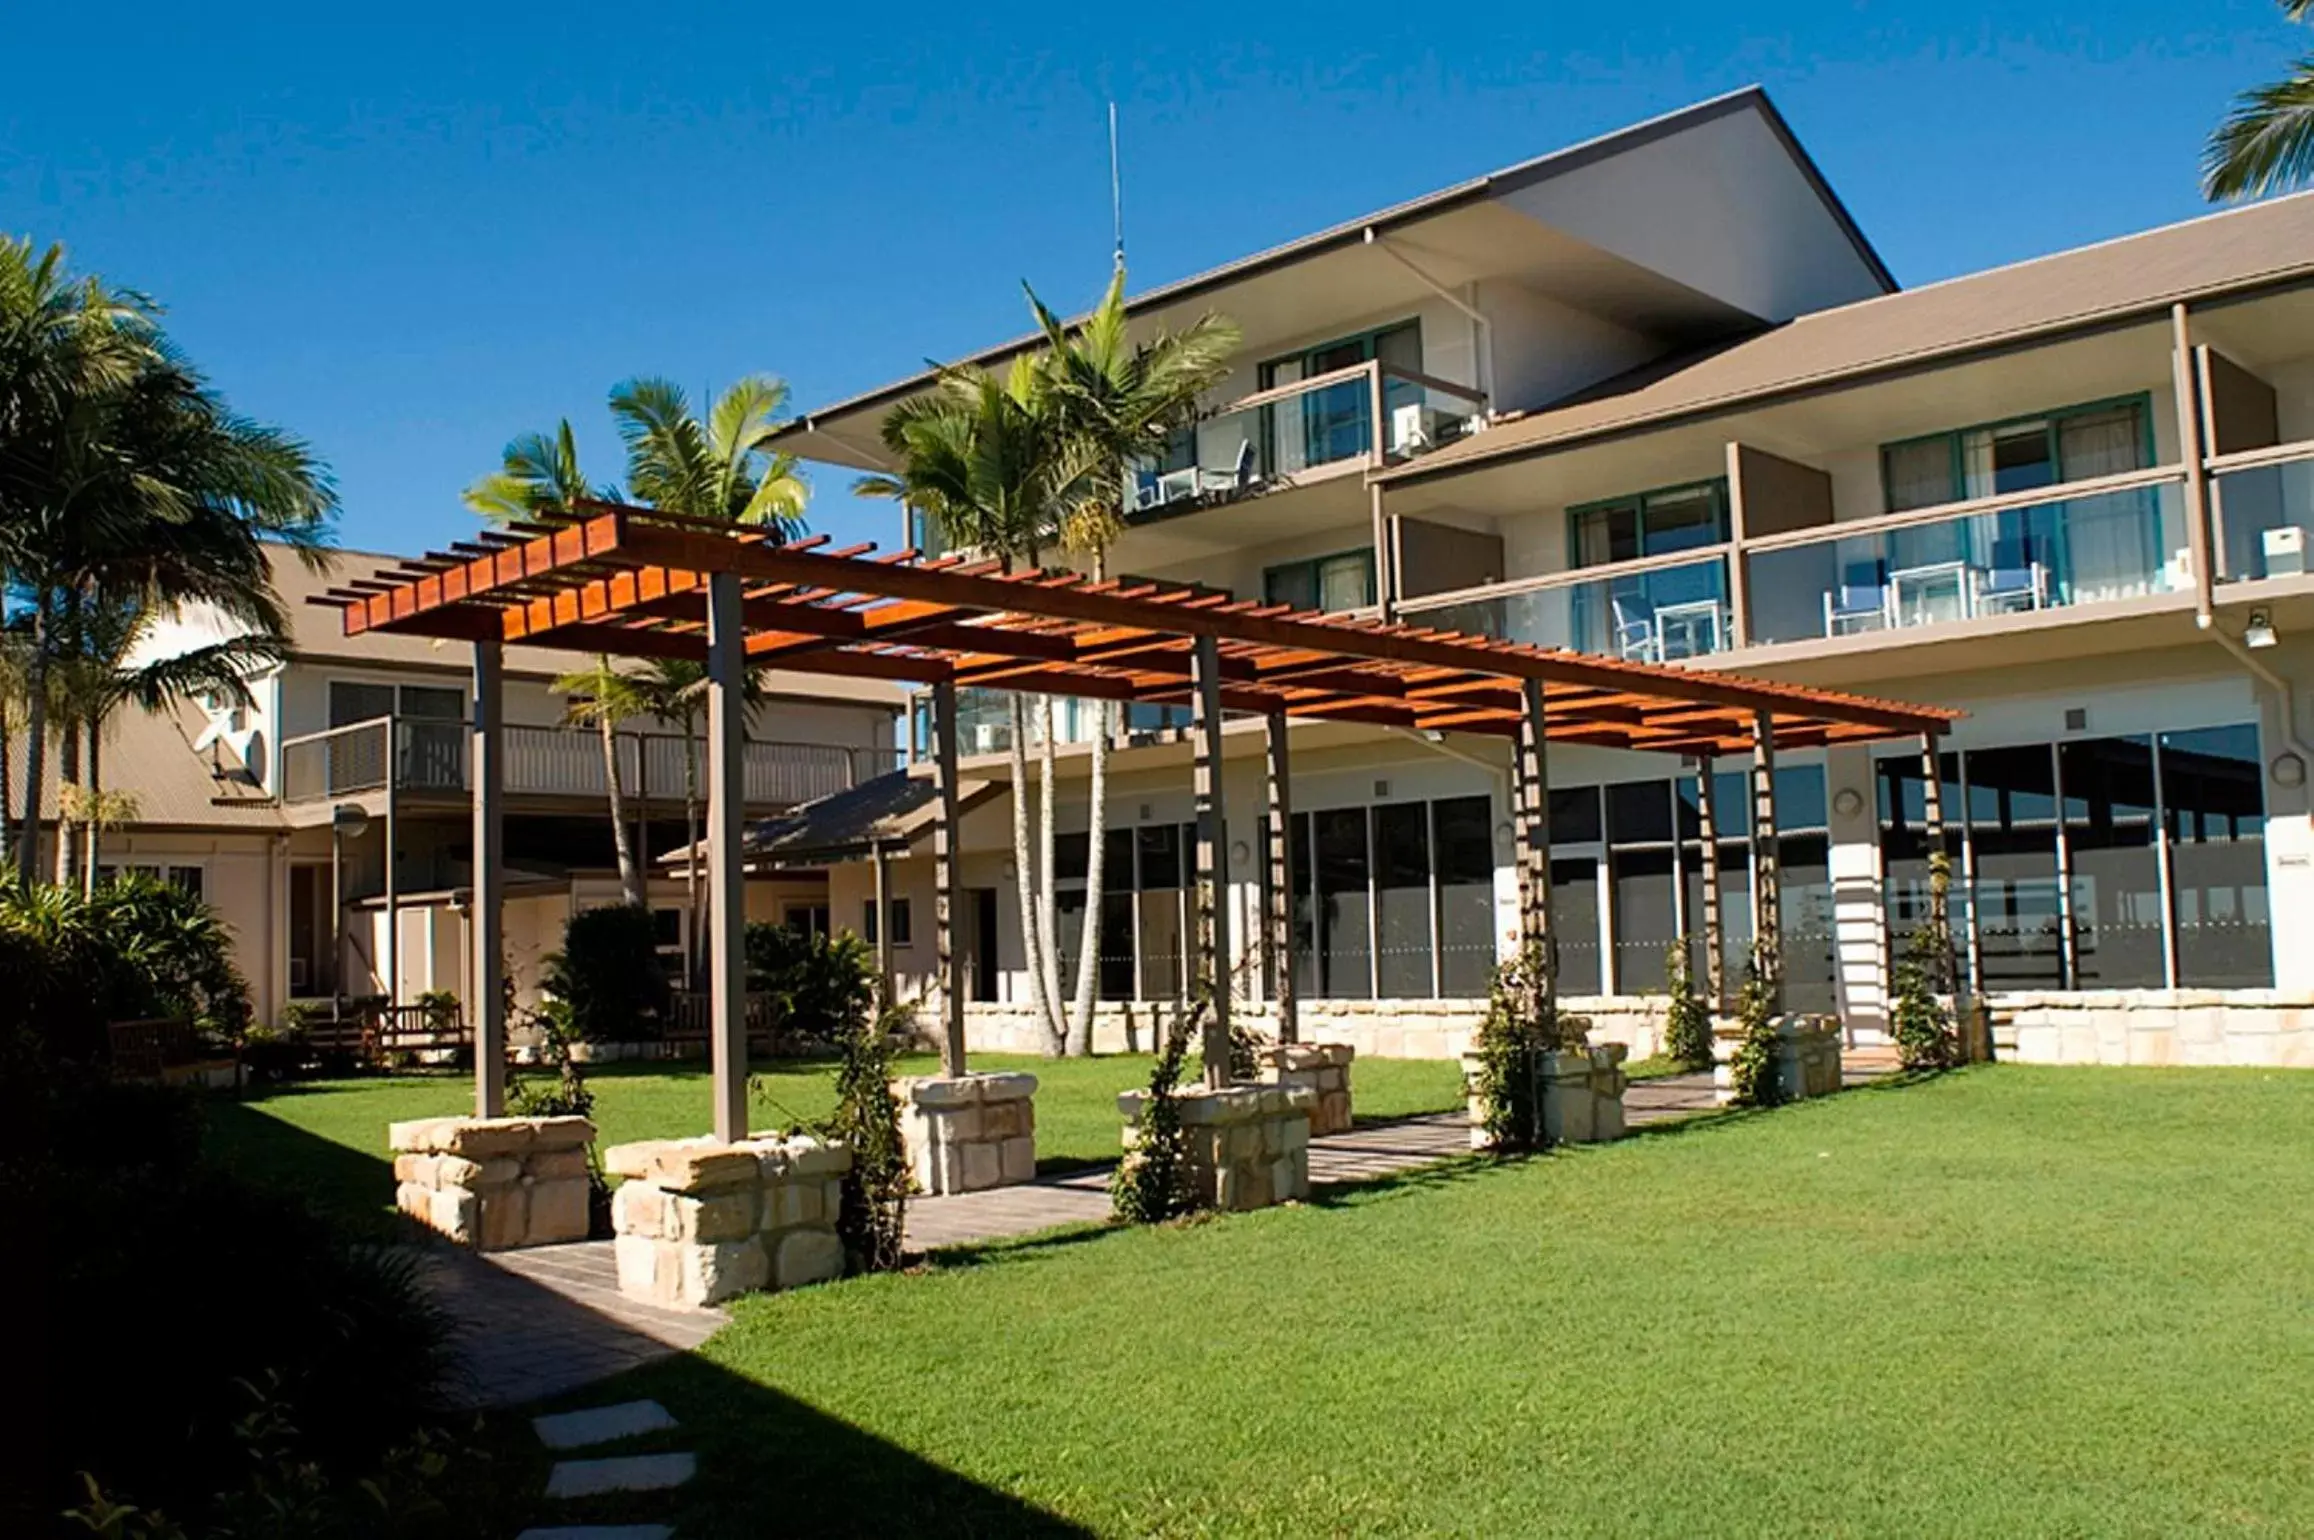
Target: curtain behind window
1917	475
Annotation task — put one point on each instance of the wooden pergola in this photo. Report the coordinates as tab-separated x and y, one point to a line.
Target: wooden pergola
634	582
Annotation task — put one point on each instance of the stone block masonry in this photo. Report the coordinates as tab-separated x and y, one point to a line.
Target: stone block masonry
1249	1145
1582	1091
494	1183
1325	1069
1807	1057
697	1222
969	1133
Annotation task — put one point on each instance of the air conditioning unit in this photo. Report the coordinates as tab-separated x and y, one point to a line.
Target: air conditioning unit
985	739
2285	551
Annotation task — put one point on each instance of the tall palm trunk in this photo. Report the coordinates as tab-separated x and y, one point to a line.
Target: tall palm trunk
691	847
67	825
1048	913
1080	1022
1032	945
630	875
35	742
95	801
7	810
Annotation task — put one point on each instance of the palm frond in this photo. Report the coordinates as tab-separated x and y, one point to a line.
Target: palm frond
2267	140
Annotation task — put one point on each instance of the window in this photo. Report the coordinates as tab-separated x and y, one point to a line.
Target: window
2101	863
1463	839
2103	438
1322	427
1656	523
903	923
806	919
1401	845
1331	583
354	700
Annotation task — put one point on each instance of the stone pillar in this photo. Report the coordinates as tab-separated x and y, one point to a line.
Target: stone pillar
1324	1069
1212	938
486	776
968	1133
947	878
726	864
1278	920
699	1220
1714	957
494	1184
1578	1091
1767	891
1807	1058
1248	1146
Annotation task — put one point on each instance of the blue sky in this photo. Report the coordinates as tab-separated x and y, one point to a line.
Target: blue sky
409	232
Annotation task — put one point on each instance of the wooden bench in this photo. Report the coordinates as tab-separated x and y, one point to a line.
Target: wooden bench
163	1050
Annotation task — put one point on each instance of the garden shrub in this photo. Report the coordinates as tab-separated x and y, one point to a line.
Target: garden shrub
136	949
610	975
1151	1184
1752	1069
1687	1023
873	1220
1927	1037
1522	1022
823	988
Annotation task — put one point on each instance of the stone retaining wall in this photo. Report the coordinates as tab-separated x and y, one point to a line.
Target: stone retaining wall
698	1221
1582	1095
1382	1029
494	1183
1249	1145
1807	1056
1325	1069
2266	1027
969	1133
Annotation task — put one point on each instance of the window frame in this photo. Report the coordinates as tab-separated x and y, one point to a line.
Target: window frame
1955	438
1314	567
1716	486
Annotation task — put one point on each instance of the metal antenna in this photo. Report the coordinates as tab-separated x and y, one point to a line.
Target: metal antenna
1116	189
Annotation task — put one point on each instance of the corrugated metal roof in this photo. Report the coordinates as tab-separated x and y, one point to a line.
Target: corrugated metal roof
151	758
2114	281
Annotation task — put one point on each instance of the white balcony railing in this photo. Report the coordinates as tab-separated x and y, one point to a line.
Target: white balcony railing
430	757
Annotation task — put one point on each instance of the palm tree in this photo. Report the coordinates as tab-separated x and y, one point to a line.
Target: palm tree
989	459
723	469
2267	141
539	480
676	689
122	473
116	667
1122	401
602	696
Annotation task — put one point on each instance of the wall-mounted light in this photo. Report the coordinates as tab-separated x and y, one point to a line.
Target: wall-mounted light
2260	631
1847	802
1010	870
1504	834
1240	853
2287	770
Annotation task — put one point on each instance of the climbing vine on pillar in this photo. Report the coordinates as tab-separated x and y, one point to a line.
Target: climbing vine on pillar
1753	1067
1687	1020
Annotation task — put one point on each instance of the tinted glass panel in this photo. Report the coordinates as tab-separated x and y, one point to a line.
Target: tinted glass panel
1640	813
1160	852
2012	799
351	702
1402	895
1644	918
1575	816
1808	936
1345	952
2109	805
2217	821
1575	924
1465	852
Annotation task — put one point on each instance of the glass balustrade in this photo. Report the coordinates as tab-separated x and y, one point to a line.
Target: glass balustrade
1290	433
2266	516
2067	551
1658	616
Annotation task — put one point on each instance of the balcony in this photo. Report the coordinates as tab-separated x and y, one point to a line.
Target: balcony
2262	503
1656	610
984	721
2119	537
429	758
1308	430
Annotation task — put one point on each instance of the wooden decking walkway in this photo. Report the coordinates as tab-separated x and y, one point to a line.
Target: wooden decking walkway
535	1323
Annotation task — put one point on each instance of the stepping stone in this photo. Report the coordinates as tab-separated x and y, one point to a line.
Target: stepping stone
620	1473
601	1532
601	1424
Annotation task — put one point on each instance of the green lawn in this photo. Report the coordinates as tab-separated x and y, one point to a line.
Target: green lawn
327	1139
2009	1302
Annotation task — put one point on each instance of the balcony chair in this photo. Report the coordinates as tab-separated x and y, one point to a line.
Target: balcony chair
1232	481
2013	582
1859	603
1636	639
